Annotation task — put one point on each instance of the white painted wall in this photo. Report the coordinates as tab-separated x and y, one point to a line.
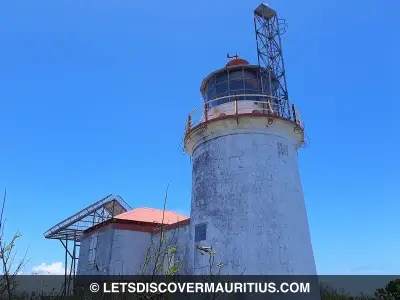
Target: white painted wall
103	250
128	252
123	252
246	188
243	107
179	238
117	252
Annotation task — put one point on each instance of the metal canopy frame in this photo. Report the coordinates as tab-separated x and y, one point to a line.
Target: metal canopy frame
69	231
268	29
73	227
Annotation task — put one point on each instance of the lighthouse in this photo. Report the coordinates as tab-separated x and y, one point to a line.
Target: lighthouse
247	202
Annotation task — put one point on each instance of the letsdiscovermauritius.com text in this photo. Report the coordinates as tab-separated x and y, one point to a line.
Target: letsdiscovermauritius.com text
200	287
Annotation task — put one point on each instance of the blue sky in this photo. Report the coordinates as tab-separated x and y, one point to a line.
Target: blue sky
94	97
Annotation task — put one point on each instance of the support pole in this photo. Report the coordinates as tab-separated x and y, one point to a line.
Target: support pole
65	266
113	209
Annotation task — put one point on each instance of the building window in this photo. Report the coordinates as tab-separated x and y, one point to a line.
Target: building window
200	232
92	248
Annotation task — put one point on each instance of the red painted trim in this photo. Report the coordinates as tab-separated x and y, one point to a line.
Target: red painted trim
174	226
135	225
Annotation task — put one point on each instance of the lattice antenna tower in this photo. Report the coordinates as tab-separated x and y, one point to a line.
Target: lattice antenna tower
268	29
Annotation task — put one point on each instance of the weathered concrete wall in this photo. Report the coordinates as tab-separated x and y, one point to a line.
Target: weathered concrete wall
175	238
117	252
102	256
83	256
128	252
247	190
124	252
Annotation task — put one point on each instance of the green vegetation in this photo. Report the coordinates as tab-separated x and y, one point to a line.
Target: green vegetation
390	292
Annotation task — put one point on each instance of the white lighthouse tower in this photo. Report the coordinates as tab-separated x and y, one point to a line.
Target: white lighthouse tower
247	199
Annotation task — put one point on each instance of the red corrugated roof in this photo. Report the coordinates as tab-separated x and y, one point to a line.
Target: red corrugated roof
151	215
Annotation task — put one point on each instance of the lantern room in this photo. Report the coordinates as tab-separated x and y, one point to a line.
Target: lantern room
238	79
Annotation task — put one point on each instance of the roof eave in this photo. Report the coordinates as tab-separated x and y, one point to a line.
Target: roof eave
133	222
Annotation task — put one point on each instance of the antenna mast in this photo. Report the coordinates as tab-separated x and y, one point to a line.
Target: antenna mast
268	29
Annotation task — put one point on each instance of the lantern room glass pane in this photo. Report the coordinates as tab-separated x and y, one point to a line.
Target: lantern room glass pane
236	85
222	88
211	83
211	93
238	74
251	84
249	74
222	77
236	82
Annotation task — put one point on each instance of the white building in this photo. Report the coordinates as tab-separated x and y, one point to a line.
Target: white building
247	201
123	244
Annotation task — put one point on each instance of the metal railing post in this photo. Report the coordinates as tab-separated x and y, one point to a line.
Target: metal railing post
205	112
188	123
269	110
236	106
270	106
294	113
